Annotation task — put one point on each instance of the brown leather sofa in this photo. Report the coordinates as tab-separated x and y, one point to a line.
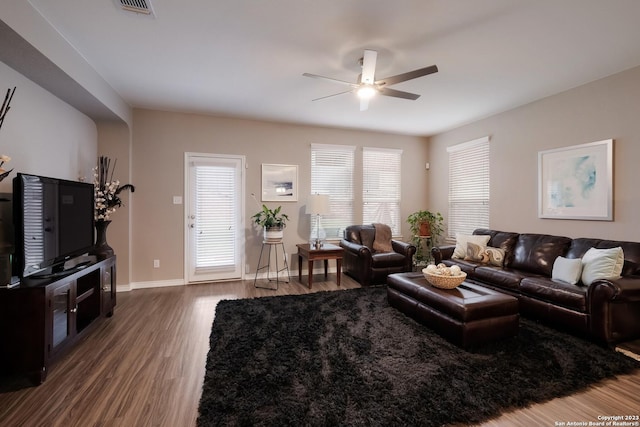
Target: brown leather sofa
367	266
607	311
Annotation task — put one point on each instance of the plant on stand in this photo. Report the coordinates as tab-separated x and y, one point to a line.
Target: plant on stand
107	200
272	221
426	228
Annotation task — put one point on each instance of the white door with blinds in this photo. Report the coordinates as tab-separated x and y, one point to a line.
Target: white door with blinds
214	244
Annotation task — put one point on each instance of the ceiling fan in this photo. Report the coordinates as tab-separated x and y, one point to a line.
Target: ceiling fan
367	86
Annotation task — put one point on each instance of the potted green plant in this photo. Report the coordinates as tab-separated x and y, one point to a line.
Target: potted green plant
272	221
425	224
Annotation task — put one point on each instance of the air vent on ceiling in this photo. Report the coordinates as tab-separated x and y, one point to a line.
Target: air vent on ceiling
137	6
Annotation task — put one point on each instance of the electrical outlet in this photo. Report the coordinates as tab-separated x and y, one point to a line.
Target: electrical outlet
156	263
247	268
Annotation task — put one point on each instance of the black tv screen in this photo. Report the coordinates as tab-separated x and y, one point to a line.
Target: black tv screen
53	221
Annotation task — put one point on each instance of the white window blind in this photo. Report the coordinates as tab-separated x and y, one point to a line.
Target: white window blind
332	174
215	211
468	186
381	187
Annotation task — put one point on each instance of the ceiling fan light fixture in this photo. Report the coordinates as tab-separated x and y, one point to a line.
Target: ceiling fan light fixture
366	91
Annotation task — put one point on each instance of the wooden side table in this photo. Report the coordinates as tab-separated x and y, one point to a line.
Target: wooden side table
325	253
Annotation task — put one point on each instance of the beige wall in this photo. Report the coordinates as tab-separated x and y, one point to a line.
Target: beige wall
114	141
44	135
160	140
605	109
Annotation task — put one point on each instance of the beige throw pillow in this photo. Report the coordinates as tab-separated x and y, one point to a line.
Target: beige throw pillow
461	244
602	264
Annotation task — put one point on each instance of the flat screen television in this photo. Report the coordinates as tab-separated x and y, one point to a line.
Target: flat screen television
53	221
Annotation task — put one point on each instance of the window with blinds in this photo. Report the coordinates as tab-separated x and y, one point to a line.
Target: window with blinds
381	172
468	186
332	174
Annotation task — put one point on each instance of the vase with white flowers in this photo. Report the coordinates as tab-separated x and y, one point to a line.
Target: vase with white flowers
107	200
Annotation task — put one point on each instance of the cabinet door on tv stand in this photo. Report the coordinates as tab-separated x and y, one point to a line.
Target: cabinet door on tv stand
108	286
62	309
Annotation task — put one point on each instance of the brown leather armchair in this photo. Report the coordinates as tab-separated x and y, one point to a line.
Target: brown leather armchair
368	266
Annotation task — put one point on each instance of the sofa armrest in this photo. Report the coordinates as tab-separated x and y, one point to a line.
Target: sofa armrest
356	249
614	308
440	253
626	288
406	249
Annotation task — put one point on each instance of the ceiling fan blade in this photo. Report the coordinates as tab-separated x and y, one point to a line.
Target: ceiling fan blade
342	82
398	93
369	66
329	96
408	76
364	104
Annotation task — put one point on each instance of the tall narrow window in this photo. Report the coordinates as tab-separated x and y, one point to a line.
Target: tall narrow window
381	187
332	174
468	186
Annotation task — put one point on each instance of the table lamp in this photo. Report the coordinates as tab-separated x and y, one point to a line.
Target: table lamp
318	205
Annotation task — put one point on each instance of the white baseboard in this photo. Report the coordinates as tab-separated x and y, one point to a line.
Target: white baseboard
151	284
251	276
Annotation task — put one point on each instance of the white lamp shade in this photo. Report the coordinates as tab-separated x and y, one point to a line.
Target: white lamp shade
318	204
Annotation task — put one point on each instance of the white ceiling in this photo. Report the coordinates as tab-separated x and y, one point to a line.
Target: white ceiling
245	58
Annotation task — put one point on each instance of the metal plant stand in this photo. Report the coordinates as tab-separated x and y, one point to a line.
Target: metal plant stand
267	266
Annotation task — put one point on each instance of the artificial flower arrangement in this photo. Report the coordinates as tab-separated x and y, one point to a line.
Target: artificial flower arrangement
106	190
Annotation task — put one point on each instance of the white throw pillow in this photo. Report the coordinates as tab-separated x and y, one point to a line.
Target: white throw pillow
461	244
602	264
567	270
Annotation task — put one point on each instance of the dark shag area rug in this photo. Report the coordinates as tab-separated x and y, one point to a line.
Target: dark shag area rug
347	358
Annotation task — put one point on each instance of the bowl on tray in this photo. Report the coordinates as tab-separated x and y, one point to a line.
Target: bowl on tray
444	281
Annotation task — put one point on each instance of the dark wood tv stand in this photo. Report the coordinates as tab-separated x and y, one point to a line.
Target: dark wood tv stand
41	319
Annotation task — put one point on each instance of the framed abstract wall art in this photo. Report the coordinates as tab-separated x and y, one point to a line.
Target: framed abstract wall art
279	183
576	182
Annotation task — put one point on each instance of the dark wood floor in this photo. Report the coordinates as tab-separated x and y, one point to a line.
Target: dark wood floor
145	367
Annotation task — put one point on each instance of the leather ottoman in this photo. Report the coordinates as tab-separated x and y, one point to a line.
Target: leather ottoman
468	315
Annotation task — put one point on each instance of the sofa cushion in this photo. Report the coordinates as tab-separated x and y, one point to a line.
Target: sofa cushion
580	246
601	264
465	265
463	239
557	293
568	270
536	253
386	259
499	277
